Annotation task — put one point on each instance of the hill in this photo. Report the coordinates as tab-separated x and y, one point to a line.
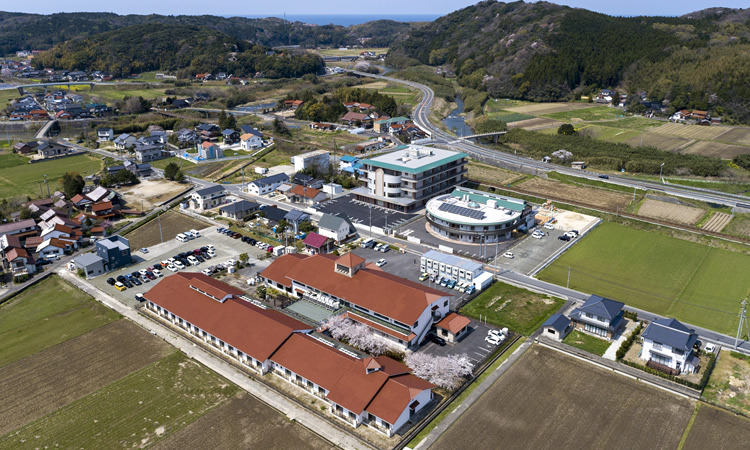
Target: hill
53	29
184	49
542	51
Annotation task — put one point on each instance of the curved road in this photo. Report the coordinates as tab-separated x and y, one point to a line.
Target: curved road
421	114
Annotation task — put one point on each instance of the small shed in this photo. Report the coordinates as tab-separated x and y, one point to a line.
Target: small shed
453	327
91	263
557	327
580	165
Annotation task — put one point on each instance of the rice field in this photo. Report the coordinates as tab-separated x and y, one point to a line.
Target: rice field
538	109
586	114
660	141
716	149
691	131
670	212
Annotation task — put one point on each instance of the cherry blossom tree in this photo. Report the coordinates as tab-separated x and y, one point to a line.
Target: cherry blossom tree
356	334
443	371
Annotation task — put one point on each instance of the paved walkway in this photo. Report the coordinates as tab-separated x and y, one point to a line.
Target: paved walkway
473	397
611	353
223	368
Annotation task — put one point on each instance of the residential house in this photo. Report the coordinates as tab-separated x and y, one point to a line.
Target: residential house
668	346
91	264
378	392
305	195
230	137
599	316
19	262
337	227
54	246
306	180
157	139
98	194
251	139
354	118
267	184
295	217
453	327
186	136
323	126
207	131
350	164
209	150
208	197
317	243
125	141
292	104
383	125
148	153
103	209
556	327
51	149
139	170
20	229
370	146
61	232
239	210
181	102
403	310
105	134
115	251
273	214
24	148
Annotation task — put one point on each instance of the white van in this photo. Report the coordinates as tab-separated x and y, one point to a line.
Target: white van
188	235
195	233
182	238
367	243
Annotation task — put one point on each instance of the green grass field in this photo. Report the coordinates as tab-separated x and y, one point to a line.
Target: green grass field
672	277
136	411
586	114
632	123
509	116
115	93
586	342
509	306
609	134
19	178
45	315
498	104
162	163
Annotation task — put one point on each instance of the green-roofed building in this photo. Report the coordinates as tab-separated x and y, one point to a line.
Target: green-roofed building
467	215
407	178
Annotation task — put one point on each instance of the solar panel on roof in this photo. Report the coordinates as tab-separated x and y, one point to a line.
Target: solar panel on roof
461	211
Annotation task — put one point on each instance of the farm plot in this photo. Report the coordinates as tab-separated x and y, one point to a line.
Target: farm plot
609	134
172	223
33	387
537	109
492	175
660	141
739	225
692	282
690	131
716	149
550	400
729	385
586	114
535	124
151	192
670	212
737	135
590	196
509	116
717	222
45	315
244	422
714	428
137	410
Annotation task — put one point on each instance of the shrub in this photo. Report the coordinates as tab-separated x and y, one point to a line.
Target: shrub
625	346
632	315
20	279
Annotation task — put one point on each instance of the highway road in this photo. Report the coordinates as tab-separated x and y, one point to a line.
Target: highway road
421	114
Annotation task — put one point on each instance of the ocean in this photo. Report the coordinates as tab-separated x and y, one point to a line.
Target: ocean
349	19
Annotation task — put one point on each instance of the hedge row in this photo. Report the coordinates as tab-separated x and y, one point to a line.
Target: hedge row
625	346
699	386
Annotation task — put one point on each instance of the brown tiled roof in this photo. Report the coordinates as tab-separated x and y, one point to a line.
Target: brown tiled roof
33	241
351	115
350	260
303	191
14	241
454	323
101	206
389	331
18	253
396	395
78	198
63	228
313	360
371	288
254	331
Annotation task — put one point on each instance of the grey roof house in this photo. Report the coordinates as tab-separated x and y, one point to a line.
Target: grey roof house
599	316
556	327
91	263
239	210
668	346
337	227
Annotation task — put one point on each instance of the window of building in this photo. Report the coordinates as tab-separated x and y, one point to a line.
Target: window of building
656	345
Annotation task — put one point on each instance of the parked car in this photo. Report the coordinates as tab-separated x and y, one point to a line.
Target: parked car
158	273
172	268
179	264
207	271
451	284
508	255
144	250
571	234
470	290
492	339
710	348
564	237
385	248
381	262
549	226
119	286
127	283
140	297
437	339
444	282
111	281
606	177
193	260
195	233
424	276
136	281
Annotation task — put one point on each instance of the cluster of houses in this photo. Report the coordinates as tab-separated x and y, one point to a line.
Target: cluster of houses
695	116
668	345
43	149
58	105
57	227
211	141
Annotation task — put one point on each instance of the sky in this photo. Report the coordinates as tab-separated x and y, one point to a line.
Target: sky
329	7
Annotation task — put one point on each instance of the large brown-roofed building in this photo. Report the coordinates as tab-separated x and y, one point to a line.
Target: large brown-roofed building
407	307
379	392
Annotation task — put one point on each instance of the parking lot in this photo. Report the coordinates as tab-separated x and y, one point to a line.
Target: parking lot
226	248
359	212
406	265
472	344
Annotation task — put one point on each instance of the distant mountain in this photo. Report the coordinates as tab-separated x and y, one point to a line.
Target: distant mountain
19	31
186	50
543	51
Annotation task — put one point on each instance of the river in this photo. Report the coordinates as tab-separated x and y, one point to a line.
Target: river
457	123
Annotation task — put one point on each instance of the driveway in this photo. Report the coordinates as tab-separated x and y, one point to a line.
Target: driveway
471	344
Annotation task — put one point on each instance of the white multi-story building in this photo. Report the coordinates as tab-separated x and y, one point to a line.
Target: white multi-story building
267	184
450	266
405	179
208	197
320	159
669	343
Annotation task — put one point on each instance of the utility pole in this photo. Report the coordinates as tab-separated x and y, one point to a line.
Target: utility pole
370	220
47	184
633	195
743	321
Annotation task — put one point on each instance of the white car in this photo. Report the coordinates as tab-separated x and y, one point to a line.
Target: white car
210	247
195	233
143	272
179	265
207	272
495	333
710	348
193	260
381	262
494	340
172	268
171	261
229	263
549	226
571	234
536	235
144	250
157	273
508	255
211	252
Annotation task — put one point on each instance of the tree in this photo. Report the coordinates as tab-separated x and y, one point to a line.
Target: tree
356	334
444	371
72	184
25	213
260	291
280	128
244	257
282	226
307	227
171	171
566	129
179	176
